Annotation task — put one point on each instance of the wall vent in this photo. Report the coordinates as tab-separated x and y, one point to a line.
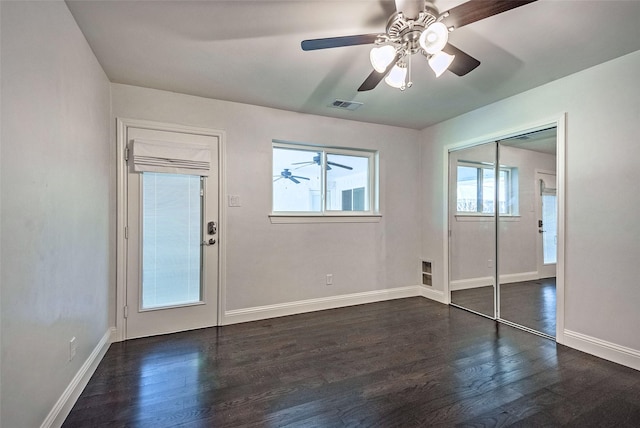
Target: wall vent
346	105
427	273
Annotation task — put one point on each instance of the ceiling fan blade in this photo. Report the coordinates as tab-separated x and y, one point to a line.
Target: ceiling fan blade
475	10
341	166
297	176
303	163
375	77
462	63
337	42
294	180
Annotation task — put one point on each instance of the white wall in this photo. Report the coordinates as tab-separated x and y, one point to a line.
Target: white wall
269	264
602	230
518	236
56	253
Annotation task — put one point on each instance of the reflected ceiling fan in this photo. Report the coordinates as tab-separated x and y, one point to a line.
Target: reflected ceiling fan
417	27
318	161
287	175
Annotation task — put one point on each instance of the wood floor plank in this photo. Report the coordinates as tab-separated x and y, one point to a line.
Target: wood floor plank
408	362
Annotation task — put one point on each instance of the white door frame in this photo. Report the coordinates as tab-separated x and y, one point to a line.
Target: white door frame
121	209
560	124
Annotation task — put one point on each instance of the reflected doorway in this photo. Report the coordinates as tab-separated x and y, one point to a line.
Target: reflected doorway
547	206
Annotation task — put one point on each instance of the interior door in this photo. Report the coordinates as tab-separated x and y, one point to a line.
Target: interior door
172	252
547	208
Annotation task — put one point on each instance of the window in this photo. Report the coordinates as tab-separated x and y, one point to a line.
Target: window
313	180
476	189
171	236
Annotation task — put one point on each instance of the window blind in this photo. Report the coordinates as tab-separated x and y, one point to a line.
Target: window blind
170	157
547	184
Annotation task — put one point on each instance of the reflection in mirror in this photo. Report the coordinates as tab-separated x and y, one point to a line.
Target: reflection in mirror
527	233
472	243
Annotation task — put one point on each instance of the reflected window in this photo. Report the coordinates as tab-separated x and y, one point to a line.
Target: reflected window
475	191
550	230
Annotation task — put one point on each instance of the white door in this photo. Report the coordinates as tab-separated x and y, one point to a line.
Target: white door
547	208
172	251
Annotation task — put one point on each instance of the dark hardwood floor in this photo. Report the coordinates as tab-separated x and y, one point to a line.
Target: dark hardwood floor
402	363
529	303
478	299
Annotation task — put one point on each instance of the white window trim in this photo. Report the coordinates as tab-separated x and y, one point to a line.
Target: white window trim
335	218
324	216
512	213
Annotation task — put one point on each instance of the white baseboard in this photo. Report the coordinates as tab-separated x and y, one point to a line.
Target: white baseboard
291	308
65	403
601	348
519	277
465	284
430	293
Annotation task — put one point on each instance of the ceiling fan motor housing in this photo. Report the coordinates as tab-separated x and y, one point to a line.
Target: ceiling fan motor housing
406	32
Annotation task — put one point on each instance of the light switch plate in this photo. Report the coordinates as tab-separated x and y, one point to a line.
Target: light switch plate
234	200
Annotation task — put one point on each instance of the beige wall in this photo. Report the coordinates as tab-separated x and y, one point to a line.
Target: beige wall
56	190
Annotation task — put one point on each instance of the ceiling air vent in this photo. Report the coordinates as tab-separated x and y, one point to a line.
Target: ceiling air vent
346	105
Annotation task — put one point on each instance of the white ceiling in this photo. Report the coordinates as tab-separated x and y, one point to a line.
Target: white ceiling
543	141
249	52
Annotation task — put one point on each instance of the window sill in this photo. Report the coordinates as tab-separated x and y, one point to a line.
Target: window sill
485	217
326	218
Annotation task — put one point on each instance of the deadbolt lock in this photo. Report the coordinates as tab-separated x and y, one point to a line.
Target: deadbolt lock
212	228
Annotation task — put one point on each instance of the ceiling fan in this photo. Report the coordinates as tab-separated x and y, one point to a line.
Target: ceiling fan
287	175
318	161
417	27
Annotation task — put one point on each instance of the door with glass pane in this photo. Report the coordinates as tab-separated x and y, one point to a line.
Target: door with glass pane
172	248
547	224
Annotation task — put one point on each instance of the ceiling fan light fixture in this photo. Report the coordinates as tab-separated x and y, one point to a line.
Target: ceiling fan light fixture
381	57
434	38
440	62
397	76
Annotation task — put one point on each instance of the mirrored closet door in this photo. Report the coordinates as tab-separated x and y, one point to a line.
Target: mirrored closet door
527	231
472	228
503	230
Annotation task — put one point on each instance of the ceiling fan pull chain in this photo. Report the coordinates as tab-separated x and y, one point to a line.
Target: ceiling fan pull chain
409	81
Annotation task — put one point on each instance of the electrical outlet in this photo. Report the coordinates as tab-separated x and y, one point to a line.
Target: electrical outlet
329	279
490	264
73	347
234	200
